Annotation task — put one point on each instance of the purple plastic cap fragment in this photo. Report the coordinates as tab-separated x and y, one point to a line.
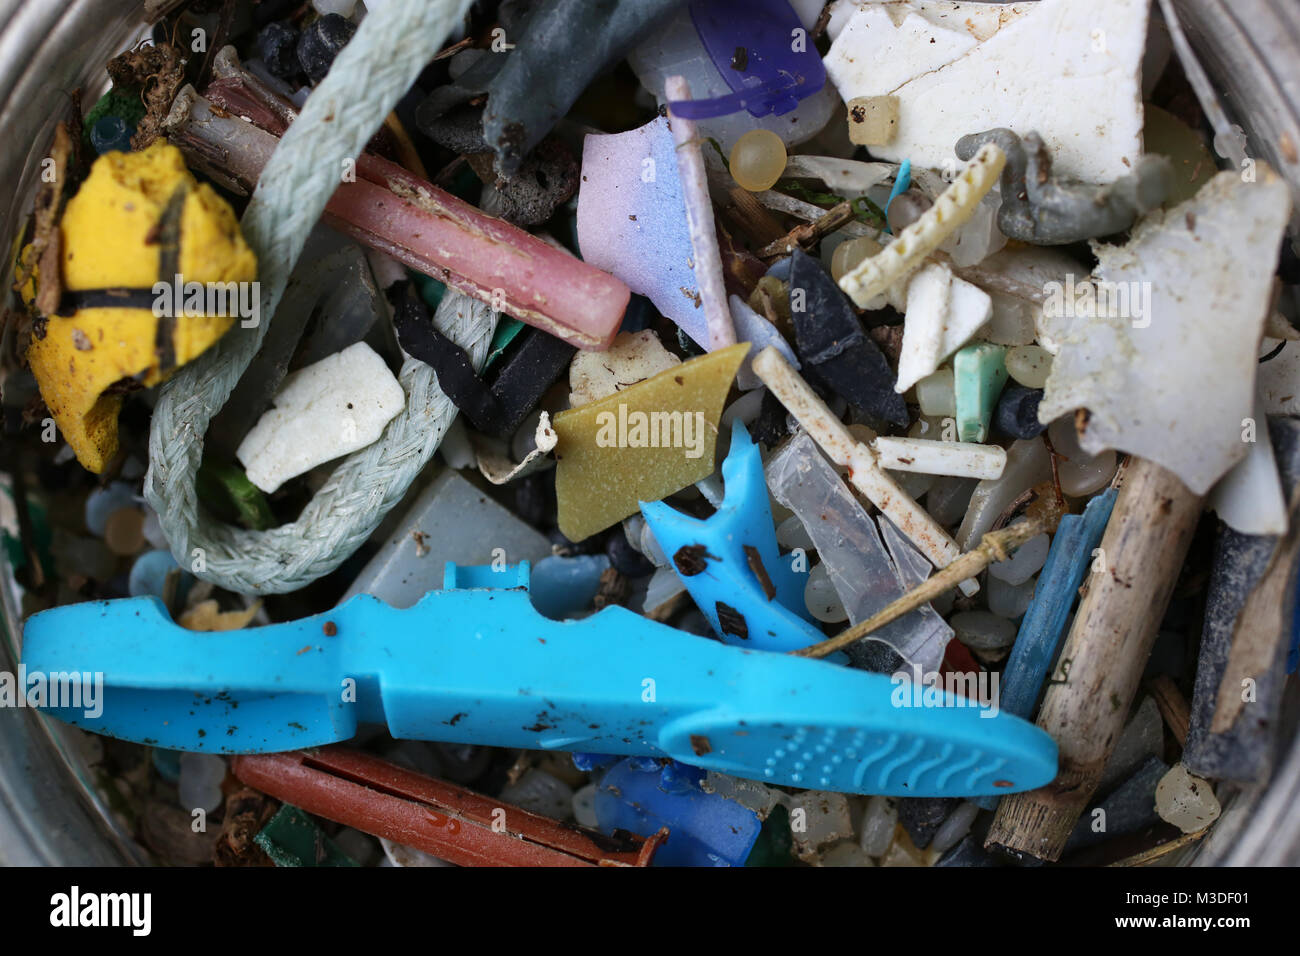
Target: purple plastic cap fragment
754	45
632	221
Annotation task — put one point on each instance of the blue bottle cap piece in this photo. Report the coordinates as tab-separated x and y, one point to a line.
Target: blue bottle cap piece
755	47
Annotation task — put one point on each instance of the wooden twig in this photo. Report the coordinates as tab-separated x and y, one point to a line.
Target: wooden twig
1173	706
1101	663
807	233
994	546
1164	849
751	216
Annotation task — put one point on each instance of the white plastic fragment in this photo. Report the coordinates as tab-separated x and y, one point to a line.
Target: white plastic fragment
1203	275
943	312
955	459
1279	378
874	275
631	358
1185	801
500	469
332	408
980	20
818	817
1249	497
1063	69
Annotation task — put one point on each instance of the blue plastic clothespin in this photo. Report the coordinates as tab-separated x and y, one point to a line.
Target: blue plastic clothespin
476	664
751	594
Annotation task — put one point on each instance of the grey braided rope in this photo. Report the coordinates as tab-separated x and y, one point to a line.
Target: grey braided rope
378	66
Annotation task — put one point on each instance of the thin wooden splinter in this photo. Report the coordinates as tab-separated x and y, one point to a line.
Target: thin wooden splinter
994	546
865	473
805	234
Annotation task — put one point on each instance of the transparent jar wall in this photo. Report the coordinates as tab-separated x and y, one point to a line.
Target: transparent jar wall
49	813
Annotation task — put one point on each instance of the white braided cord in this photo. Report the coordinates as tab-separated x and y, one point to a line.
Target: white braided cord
375	69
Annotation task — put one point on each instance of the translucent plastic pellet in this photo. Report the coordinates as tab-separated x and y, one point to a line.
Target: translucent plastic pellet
539	792
935	394
1185	801
819	594
1081	473
791	534
102	502
876	831
1029	365
584	806
983	631
758	160
361	847
846	853
124	531
848	254
1025	563
906	208
200	783
1009	600
954	828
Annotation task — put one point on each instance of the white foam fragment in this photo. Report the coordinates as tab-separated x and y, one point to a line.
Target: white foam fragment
943	312
1067	70
1172	377
335	407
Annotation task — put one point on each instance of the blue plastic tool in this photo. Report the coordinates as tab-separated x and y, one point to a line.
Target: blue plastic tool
731	564
476	664
704	829
755	45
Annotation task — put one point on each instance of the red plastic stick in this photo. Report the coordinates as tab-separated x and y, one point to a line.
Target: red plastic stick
449	822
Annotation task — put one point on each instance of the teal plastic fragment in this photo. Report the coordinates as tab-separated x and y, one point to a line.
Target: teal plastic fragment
507	328
979	372
291	838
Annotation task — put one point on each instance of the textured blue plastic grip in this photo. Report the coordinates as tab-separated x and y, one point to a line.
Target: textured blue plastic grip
476	665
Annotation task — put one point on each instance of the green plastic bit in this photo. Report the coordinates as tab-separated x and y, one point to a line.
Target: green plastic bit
979	372
292	838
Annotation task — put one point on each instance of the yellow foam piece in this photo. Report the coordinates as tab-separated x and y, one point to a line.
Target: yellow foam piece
641	444
110	240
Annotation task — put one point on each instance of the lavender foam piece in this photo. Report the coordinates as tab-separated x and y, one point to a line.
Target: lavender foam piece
637	230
